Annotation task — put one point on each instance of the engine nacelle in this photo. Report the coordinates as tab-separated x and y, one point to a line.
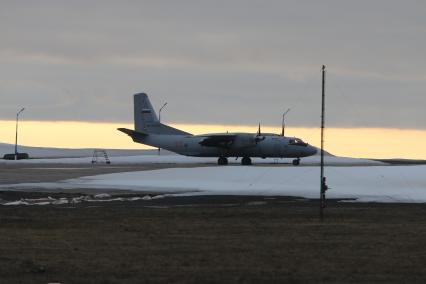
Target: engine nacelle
247	140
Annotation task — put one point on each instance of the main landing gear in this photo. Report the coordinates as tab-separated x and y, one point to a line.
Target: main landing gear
222	161
296	162
246	161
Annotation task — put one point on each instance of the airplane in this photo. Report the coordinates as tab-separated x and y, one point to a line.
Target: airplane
150	131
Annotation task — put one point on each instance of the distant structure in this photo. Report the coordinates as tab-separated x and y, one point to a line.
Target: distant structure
18	156
100	155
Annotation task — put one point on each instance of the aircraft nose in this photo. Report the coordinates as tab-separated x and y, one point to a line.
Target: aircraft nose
312	150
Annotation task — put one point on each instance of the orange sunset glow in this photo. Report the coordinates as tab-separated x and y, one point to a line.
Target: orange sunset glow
351	142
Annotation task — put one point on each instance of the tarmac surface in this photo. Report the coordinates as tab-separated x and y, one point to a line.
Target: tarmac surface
31	173
52	172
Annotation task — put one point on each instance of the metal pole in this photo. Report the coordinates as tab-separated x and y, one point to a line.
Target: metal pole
16	134
159	120
322	180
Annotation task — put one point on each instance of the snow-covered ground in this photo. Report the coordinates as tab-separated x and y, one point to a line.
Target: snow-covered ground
365	184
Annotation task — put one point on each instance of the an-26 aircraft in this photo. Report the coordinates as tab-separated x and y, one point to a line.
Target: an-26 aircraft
150	131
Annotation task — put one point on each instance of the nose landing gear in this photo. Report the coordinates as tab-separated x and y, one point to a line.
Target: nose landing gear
222	161
296	162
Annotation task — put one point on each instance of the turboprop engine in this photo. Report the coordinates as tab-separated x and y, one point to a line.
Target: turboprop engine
247	140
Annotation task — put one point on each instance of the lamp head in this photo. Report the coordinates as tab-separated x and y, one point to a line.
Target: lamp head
22	109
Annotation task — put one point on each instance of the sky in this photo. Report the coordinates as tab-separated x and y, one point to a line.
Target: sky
233	63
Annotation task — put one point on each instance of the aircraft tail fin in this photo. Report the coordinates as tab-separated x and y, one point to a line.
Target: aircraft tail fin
146	120
144	113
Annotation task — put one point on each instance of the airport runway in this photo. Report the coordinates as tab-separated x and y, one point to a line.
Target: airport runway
51	172
28	173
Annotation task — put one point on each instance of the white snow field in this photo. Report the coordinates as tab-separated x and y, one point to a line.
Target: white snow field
365	184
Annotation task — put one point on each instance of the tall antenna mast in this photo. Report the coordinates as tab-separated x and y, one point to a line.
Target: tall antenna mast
283	122
323	186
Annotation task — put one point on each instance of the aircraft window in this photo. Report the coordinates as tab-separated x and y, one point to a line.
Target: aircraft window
297	142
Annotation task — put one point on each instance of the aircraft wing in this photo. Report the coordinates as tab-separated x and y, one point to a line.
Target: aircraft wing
218	140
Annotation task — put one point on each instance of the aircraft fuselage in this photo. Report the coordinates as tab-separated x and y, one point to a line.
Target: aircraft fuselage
273	146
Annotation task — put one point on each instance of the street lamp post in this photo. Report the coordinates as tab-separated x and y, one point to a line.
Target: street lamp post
159	120
16	136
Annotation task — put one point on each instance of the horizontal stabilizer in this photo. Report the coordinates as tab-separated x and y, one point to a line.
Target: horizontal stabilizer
136	135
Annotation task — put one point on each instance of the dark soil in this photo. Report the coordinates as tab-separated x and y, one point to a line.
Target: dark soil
233	239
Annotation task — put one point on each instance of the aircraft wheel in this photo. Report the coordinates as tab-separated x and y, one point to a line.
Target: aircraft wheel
296	162
222	161
246	161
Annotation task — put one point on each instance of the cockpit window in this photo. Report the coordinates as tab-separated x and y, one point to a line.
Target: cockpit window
297	142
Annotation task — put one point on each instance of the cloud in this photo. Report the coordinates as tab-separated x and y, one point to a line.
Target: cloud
216	62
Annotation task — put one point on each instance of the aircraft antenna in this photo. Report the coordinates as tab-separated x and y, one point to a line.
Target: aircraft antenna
283	122
159	120
323	185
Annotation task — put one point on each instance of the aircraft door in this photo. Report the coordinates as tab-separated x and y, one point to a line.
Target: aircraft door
277	150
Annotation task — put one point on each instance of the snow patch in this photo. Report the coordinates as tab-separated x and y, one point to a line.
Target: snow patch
364	184
103	197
